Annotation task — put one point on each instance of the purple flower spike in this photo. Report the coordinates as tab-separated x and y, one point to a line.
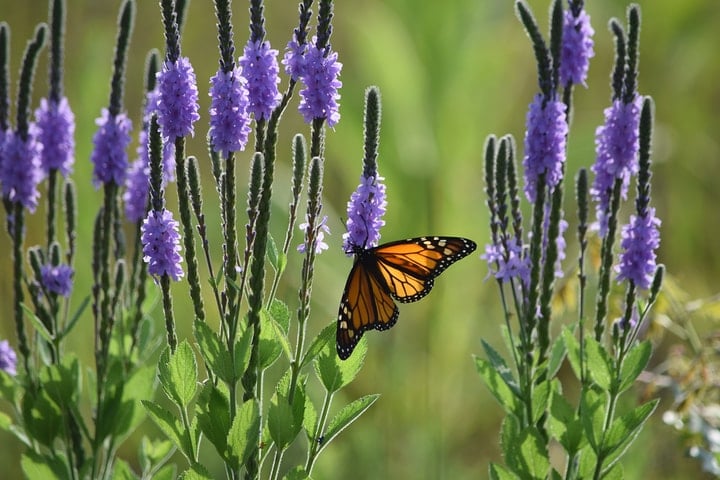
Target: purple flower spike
544	144
177	99
161	245
320	75
57	279
365	211
137	185
321	230
110	153
577	48
294	59
229	119
260	69
616	145
20	169
516	265
8	359
54	128
640	239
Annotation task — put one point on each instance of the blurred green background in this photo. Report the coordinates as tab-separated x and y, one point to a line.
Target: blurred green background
450	73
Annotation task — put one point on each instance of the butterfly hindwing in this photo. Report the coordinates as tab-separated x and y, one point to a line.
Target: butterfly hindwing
404	270
365	304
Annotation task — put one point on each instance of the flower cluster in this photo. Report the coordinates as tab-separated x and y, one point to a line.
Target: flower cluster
260	69
161	245
319	72
8	359
109	155
505	268
54	128
20	169
229	119
365	211
544	144
640	240
57	279
321	230
577	47
177	99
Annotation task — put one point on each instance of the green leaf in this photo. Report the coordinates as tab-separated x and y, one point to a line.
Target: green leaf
281	262
540	401
178	374
153	452
498	472
42	467
8	384
495	382
297	473
166	473
122	471
592	403
615	472
557	355
270	345
572	349
536	463
139	386
310	420
326	335
623	432
335	373
285	420
62	382
214	352
281	337
213	416
564	425
280	312
499	364
243	435
272	252
169	424
43	418
74	319
345	417
37	324
196	472
635	361
242	351
599	364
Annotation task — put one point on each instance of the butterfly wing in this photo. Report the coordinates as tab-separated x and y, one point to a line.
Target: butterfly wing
409	267
365	304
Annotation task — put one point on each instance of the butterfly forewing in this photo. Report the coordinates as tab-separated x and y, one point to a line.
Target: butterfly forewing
404	270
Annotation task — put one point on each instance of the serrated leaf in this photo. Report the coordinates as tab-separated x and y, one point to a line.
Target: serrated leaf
564	425
572	350
243	435
540	400
557	355
178	374
633	364
280	312
281	262
213	416
281	337
623	432
272	252
42	416
335	373
270	345
213	352
310	420
285	420
62	382
326	335
170	426
122	471
345	417
499	364
593	403
599	364
535	461
37	324
242	351
495	382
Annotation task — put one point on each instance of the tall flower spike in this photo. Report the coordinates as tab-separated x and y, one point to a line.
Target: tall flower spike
320	71
110	153
8	359
577	46
544	144
365	211
137	184
229	119
20	169
54	128
260	68
177	101
616	146
161	245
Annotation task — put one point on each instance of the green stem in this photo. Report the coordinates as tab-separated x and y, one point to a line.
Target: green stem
316	441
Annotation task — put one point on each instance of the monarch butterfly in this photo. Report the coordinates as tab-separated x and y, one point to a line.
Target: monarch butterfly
404	270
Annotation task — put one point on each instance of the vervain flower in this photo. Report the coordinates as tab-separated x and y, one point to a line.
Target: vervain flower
577	48
161	244
321	229
110	153
294	59
54	128
640	239
8	359
365	211
544	144
616	146
177	99
260	69
20	169
57	279
506	267
319	73
229	119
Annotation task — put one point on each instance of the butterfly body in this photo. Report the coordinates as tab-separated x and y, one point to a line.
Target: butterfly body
404	270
